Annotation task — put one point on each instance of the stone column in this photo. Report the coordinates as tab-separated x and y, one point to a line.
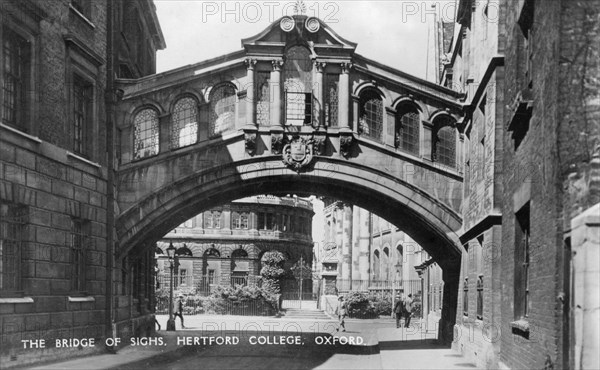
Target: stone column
426	140
389	127
250	93
164	133
460	156
451	276
364	244
318	94
226	226
344	96
355	102
339	236
276	93
355	244
347	243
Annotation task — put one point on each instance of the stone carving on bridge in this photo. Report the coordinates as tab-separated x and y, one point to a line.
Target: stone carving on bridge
346	141
319	138
298	153
276	142
250	141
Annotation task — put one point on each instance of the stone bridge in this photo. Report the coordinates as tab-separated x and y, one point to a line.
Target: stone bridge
297	110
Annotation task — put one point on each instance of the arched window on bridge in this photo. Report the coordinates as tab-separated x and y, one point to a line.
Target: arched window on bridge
370	121
145	133
184	123
444	141
407	129
222	109
298	69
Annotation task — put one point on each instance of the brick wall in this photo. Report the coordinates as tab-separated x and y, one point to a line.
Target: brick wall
562	129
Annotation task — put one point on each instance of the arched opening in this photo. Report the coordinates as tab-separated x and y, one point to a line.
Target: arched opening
444	141
399	261
429	223
222	109
376	265
298	86
407	130
184	123
211	269
385	264
145	133
240	267
370	121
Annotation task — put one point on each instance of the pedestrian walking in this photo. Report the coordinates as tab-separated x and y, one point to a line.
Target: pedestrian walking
408	307
179	309
341	311
398	310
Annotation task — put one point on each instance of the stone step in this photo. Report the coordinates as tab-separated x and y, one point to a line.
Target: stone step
306	314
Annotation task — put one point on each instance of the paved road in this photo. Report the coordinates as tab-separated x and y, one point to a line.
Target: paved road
314	345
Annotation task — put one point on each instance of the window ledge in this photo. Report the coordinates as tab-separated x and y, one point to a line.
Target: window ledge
520	325
80	158
83	17
21	133
16	300
82	299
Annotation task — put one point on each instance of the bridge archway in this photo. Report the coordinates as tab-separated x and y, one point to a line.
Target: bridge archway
423	217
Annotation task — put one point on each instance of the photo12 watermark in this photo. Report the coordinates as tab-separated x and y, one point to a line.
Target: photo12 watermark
270	11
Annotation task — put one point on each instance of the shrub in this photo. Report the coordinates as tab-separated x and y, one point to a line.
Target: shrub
359	306
382	303
240	300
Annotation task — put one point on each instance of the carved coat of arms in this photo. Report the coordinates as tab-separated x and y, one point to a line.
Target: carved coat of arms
298	153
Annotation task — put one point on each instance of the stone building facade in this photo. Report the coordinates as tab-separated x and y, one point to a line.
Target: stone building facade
531	158
361	251
224	245
472	62
55	175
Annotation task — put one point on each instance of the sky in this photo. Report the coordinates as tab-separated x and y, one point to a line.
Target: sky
391	32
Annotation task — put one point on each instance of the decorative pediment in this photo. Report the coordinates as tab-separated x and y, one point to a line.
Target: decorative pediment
297	29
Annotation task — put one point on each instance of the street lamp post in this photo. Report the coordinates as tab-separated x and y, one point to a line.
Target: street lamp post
171	321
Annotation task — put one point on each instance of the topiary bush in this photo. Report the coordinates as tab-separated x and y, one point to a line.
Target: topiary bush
272	271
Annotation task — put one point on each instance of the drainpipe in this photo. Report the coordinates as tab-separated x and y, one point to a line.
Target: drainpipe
110	98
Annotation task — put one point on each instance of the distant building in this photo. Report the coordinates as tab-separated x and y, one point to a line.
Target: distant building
361	251
224	245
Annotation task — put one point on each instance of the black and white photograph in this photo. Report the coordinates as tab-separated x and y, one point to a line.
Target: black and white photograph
300	184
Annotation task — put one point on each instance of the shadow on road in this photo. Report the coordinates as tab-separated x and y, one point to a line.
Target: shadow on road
411	344
314	350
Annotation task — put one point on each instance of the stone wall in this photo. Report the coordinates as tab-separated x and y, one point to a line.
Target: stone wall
54	187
